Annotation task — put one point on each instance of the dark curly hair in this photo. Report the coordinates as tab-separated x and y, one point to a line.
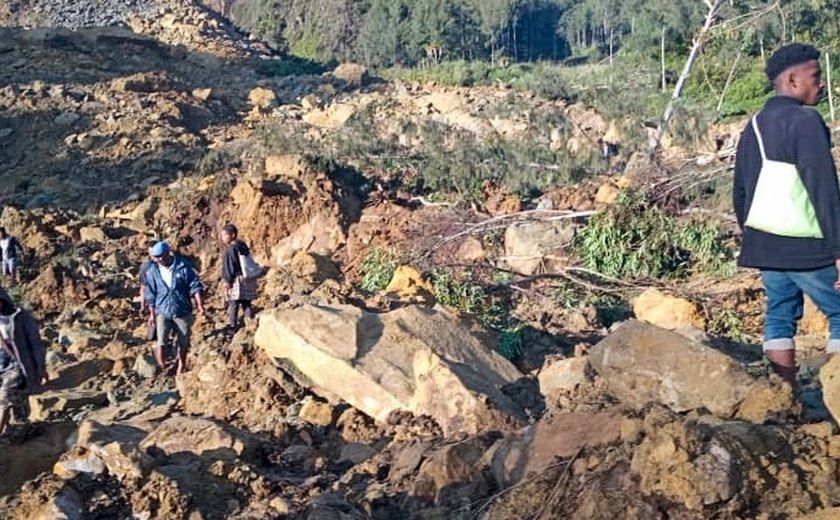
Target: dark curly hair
230	229
789	56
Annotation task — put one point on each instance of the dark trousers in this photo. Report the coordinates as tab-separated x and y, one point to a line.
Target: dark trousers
233	311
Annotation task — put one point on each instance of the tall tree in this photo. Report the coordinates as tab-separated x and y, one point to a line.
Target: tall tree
494	17
382	36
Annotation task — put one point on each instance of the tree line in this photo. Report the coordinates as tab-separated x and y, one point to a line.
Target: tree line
410	33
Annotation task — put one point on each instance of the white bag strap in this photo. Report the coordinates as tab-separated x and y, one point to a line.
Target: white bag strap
241	265
758	136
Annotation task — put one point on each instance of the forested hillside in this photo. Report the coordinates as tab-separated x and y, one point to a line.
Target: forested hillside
621	56
413	32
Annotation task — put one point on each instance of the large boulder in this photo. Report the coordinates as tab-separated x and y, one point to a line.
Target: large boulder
535	448
106	449
564	375
193	437
352	73
55	404
533	247
413	359
642	363
830	381
668	312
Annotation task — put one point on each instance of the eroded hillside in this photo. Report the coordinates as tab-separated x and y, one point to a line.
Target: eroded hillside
430	343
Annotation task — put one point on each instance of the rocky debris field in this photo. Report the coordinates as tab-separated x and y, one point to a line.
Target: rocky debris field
341	402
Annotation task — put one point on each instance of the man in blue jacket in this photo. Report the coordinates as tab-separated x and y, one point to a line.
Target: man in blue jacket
171	286
787	202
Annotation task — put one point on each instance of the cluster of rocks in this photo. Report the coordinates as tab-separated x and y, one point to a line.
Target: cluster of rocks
77	14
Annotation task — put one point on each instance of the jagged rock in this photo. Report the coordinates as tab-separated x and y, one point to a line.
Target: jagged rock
78	339
310	102
607	194
105	449
262	98
641	363
78	460
537	246
333	506
352	74
316	412
145	366
534	448
697	467
75	374
408	285
331	117
67	504
202	93
406	460
774	400
356	453
830	381
53	404
402	360
321	235
66	119
194	437
668	312
454	473
297	454
471	250
563	376
314	269
280	505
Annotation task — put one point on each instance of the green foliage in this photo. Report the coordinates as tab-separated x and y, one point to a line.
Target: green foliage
747	93
511	343
636	239
727	324
377	269
470	298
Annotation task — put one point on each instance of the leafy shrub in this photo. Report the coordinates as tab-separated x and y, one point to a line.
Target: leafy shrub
747	93
377	269
727	324
636	239
511	343
470	298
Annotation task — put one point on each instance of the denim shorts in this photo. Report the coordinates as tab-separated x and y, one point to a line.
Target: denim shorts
9	266
785	304
181	325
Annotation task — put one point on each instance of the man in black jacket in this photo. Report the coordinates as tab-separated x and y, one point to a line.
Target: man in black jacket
241	291
799	252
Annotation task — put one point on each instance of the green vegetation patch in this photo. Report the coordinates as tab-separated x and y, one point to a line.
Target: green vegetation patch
636	239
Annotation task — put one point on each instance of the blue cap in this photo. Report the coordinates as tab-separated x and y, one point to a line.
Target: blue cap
159	249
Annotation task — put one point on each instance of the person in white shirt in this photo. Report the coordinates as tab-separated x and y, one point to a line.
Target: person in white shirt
10	248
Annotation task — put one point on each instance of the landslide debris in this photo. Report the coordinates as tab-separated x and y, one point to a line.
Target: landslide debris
341	403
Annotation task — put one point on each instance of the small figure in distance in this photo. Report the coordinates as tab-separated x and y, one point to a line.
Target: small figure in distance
240	289
10	249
